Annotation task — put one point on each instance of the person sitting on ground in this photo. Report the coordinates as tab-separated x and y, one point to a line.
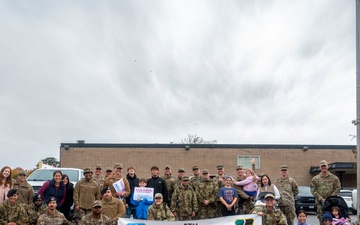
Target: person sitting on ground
141	205
11	211
96	217
52	216
270	215
111	206
36	208
159	210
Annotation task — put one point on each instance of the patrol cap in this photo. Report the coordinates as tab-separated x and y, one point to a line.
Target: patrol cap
158	195
239	168
98	166
185	178
181	170
154	168
220	167
50	200
167	167
283	167
108	169
88	170
22	173
195	167
269	196
97	203
118	165
323	163
11	193
205	171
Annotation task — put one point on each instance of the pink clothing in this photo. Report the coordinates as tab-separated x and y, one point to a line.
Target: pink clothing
3	192
248	184
341	221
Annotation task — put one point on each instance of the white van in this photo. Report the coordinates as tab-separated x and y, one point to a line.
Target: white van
37	178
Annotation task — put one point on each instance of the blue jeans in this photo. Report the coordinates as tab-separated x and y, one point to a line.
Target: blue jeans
130	210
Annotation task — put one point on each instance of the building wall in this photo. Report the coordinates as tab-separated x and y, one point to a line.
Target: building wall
298	160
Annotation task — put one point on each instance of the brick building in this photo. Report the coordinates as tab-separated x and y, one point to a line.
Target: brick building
303	160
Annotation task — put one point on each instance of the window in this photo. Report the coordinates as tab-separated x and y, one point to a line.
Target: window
245	161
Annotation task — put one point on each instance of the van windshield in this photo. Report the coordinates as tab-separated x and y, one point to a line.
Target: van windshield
44	175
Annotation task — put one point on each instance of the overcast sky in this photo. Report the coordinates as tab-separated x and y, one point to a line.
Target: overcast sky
235	71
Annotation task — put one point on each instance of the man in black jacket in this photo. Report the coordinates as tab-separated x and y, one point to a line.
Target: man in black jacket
157	183
134	182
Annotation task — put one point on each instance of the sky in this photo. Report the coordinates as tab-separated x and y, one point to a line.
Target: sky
234	71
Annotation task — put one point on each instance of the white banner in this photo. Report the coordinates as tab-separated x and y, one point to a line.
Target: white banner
250	219
142	193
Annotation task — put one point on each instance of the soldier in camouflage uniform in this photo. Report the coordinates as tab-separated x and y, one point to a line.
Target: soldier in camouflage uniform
288	189
25	191
112	207
97	175
86	192
175	184
96	217
220	181
245	202
52	216
12	212
270	215
183	202
324	185
206	194
35	209
159	210
169	180
196	178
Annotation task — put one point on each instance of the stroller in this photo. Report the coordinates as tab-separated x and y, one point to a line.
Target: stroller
332	201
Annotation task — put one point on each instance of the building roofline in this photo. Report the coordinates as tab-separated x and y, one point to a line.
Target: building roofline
264	146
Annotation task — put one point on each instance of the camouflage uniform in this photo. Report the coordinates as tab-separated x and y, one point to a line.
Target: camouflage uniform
169	180
220	184
323	187
89	220
272	217
34	212
25	192
160	212
57	219
195	181
114	208
15	213
288	189
207	190
184	202
85	193
245	205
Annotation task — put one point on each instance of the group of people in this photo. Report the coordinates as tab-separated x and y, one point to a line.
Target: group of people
96	198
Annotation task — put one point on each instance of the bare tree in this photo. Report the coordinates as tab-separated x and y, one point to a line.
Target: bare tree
195	139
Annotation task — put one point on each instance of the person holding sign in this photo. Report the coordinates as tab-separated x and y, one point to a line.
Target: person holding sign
142	198
119	185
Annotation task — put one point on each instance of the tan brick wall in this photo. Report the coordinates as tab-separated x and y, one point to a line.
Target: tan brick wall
299	161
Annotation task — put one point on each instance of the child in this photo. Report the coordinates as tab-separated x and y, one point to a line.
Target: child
301	215
327	218
250	186
228	197
142	205
338	219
